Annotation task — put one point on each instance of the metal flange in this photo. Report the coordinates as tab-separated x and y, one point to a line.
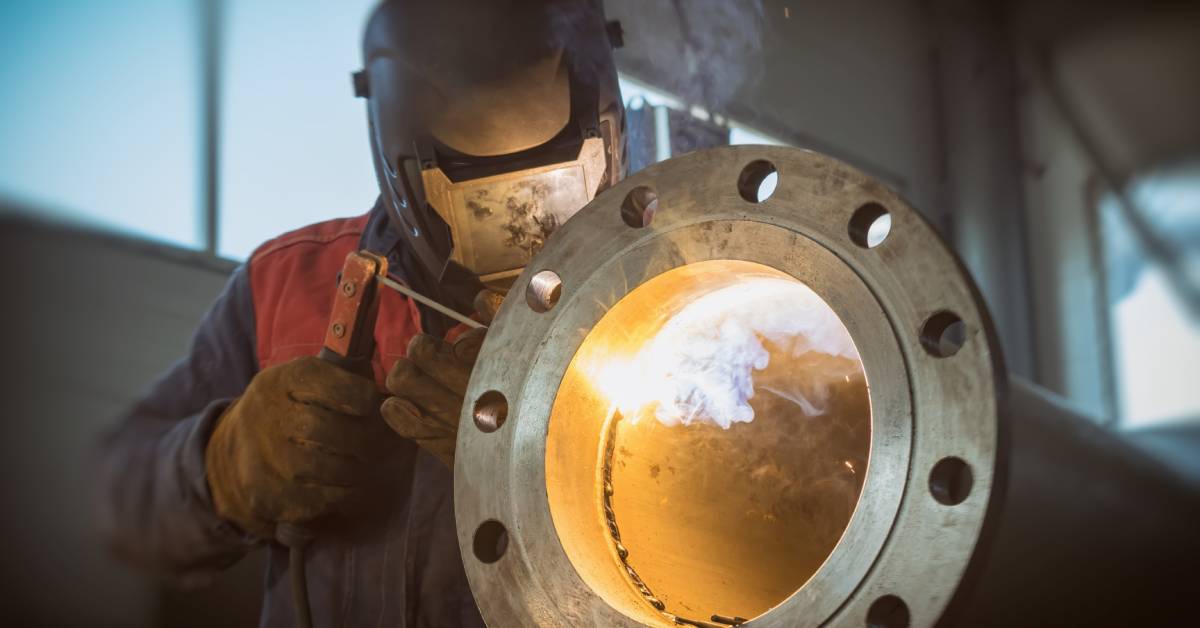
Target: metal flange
935	432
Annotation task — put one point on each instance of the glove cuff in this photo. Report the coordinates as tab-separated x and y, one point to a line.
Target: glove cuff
229	498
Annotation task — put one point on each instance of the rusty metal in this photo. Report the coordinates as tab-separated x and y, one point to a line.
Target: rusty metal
972	487
352	321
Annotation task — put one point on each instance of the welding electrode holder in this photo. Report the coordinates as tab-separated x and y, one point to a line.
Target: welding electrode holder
349	344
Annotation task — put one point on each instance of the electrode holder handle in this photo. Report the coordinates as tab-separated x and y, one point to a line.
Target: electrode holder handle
349	344
350	336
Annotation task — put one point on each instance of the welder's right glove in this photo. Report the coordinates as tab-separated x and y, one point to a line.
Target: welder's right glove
302	442
428	385
429	382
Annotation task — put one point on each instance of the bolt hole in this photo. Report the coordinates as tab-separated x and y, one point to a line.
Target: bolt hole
758	181
943	334
950	481
888	611
544	289
491	541
870	225
491	411
638	209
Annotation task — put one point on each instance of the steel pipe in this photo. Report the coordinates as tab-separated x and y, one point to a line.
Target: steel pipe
927	487
1091	531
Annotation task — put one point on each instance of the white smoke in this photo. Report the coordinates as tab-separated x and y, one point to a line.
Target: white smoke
700	367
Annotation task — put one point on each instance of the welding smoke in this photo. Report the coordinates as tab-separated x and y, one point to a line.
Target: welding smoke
701	365
702	51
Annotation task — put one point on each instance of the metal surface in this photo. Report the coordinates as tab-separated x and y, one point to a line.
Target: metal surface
984	502
539	475
707	520
610	516
1093	532
351	330
498	223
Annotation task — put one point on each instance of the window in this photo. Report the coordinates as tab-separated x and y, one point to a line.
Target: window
294	145
108	127
739	134
1154	316
102	127
637	93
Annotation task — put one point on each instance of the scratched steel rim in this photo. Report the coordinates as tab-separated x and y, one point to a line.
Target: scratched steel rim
933	394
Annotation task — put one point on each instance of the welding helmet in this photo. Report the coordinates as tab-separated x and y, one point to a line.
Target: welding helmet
491	123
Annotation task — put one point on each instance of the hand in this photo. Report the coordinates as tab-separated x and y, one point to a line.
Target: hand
302	442
429	385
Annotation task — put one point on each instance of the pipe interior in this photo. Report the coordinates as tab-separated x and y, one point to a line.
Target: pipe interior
703	518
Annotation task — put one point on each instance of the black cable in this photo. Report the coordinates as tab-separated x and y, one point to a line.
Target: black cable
297	539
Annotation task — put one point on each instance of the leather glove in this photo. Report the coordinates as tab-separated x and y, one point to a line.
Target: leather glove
300	443
429	385
430	382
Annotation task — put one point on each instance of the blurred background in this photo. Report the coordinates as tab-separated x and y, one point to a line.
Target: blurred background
147	146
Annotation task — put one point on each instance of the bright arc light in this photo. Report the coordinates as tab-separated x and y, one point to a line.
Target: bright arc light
699	366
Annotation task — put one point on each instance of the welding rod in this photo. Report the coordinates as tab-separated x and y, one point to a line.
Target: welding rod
417	296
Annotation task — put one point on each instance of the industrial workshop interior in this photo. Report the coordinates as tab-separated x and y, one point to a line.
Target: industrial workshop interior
618	313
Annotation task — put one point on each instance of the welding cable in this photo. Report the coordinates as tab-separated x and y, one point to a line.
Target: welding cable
297	539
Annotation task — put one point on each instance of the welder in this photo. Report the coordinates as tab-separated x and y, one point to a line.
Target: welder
490	124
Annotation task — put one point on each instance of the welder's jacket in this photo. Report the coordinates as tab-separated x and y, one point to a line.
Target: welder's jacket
397	565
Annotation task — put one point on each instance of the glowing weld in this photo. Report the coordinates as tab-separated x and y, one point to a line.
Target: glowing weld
699	367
